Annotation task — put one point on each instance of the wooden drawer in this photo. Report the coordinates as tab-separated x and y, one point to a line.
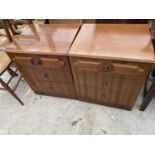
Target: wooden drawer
102	81
49	75
46	74
120	99
87	93
53	62
109	67
53	88
45	68
114	83
106	97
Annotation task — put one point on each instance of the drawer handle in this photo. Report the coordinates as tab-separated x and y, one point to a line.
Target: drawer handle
104	97
106	68
45	76
105	83
36	61
51	88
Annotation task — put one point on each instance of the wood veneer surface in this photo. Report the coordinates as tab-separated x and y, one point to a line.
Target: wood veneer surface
52	39
131	42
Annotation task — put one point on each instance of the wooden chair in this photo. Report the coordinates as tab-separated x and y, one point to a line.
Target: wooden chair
5	65
11	26
63	21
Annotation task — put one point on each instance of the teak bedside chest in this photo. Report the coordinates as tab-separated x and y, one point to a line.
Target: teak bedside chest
110	63
40	54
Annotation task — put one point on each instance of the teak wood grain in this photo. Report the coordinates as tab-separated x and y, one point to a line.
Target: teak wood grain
131	42
113	98
116	85
48	39
110	63
44	78
107	64
40	54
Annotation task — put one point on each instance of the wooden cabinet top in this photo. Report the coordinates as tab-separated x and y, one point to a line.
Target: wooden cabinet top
131	42
52	39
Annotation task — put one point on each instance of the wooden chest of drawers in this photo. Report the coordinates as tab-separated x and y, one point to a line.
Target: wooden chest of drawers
40	54
110	63
114	83
104	64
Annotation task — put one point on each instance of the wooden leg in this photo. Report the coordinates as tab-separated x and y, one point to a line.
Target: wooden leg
15	27
10	91
147	99
11	27
11	72
145	89
145	86
7	30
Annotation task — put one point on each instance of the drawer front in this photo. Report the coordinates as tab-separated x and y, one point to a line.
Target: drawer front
121	99
101	81
112	83
89	94
109	67
106	97
46	74
54	62
54	89
52	68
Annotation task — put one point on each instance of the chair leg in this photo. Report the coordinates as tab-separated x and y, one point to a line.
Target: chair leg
7	30
10	91
148	97
11	72
11	28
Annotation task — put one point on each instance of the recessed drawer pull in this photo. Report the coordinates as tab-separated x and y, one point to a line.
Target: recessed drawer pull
87	65
53	62
104	97
36	61
51	88
105	83
45	76
106	68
